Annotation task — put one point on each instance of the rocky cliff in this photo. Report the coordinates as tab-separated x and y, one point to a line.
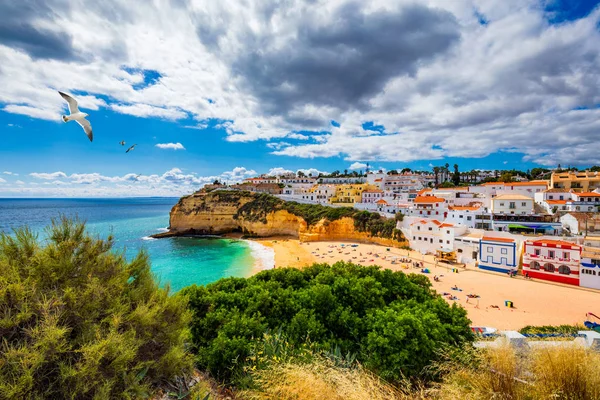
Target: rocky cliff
221	212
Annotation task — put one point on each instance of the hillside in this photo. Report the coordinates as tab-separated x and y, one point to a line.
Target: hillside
263	215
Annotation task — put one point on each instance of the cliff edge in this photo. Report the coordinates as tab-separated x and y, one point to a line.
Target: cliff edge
262	215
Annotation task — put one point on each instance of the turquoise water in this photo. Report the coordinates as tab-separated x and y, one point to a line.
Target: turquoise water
176	261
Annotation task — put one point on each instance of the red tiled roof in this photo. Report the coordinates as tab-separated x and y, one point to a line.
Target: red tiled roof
529	183
446	224
587	194
428	199
381	201
470	208
497	239
556	201
552	242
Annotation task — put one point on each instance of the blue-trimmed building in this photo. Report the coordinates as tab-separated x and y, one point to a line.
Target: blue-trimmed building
589	271
498	254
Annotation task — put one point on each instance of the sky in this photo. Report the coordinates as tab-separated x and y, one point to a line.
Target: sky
230	89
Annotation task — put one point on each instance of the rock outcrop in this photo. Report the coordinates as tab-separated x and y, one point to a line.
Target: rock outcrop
218	213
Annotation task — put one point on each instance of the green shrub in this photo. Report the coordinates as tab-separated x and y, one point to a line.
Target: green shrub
547	329
78	321
393	322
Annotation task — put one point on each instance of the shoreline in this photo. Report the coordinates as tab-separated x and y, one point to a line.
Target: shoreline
535	302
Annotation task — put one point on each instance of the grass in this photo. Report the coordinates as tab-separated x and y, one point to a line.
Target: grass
321	380
566	373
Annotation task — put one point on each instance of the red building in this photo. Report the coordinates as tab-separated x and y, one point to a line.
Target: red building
552	260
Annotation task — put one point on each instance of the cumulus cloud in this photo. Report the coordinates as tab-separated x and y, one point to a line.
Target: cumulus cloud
10	173
278	171
2	180
357	166
171	146
171	183
403	81
312	171
49	176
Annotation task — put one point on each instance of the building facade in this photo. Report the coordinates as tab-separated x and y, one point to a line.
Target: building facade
498	254
512	204
552	260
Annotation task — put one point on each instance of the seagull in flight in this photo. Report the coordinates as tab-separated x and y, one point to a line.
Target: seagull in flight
131	148
122	143
77	116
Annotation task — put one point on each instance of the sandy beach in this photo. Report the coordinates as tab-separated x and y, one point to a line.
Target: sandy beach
535	302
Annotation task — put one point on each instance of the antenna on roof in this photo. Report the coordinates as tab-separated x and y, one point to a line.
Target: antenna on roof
367	169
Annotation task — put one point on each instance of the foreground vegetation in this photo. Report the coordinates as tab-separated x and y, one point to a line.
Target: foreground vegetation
79	321
392	323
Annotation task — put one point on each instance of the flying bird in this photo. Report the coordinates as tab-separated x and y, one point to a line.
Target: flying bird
77	116
131	148
122	143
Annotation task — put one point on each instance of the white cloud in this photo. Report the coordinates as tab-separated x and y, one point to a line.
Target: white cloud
10	173
278	171
172	146
20	182
357	166
467	91
146	110
312	171
49	176
2	180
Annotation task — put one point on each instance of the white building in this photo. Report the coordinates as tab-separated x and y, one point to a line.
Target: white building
429	207
498	254
528	189
512	204
371	196
579	223
342	180
590	263
464	215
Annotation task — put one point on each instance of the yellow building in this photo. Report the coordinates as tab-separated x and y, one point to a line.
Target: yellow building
577	181
350	193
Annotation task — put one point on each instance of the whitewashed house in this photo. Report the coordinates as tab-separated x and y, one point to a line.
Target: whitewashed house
498	254
512	204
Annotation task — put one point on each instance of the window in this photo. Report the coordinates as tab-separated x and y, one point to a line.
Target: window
537	252
561	197
414	238
548	267
501	204
512	204
430	228
564	270
523	204
534	265
566	256
418	228
460	216
468	218
447	242
441	241
504	251
490	249
551	253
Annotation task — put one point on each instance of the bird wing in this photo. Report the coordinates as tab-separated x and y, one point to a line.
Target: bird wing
131	148
87	127
73	109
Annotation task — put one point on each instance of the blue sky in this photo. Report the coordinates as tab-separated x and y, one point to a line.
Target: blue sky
494	84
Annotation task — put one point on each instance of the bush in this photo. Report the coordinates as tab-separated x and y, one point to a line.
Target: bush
394	323
79	321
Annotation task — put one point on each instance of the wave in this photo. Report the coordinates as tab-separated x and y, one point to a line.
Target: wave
148	238
163	229
264	256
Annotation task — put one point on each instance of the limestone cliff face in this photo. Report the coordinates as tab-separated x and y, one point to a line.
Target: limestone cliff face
217	213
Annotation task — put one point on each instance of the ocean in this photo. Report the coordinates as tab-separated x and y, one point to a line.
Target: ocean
178	262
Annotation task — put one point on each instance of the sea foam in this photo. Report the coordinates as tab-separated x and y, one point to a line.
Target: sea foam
264	256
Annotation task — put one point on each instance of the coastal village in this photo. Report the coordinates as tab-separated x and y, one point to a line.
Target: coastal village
544	229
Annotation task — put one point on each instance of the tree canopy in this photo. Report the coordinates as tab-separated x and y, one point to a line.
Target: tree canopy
394	323
79	321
